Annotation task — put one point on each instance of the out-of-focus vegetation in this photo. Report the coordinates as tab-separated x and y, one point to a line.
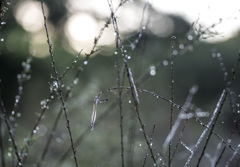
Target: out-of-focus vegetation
208	66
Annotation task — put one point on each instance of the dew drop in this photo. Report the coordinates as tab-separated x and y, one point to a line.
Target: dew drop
85	62
2	39
229	141
55	84
214	55
58	140
152	68
181	46
9	148
75	81
175	52
190	37
152	72
19	114
173	37
20	88
143	27
165	62
115	52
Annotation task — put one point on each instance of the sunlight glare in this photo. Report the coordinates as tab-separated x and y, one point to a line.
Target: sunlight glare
81	29
208	13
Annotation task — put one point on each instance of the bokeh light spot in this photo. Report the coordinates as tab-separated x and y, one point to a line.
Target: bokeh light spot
29	15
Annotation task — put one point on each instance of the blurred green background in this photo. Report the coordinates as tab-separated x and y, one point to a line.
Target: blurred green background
193	65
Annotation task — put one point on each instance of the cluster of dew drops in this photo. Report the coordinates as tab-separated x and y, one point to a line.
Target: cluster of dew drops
3	11
153	68
175	52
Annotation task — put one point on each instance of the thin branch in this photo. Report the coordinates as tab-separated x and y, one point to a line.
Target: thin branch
69	88
10	131
59	86
177	122
1	145
172	99
180	107
131	81
219	108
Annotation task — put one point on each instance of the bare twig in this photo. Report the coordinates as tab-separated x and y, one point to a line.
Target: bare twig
58	82
172	99
10	131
